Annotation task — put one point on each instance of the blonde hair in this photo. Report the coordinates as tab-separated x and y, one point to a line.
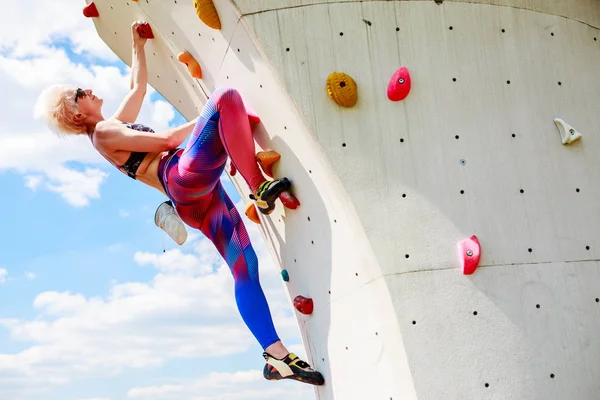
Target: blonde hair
56	106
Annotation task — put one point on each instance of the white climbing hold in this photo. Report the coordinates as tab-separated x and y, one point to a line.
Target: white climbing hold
568	134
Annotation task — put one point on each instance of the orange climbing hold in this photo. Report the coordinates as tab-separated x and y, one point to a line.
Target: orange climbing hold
266	159
469	253
342	89
90	11
191	63
251	213
304	305
145	31
207	13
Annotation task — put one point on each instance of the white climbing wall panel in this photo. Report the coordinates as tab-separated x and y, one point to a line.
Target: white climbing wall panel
389	188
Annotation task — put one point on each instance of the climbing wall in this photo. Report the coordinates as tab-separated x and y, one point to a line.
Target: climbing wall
390	188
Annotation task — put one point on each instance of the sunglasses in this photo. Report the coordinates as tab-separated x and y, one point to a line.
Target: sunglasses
79	93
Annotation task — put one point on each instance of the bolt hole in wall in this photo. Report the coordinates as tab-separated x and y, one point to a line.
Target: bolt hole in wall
475	313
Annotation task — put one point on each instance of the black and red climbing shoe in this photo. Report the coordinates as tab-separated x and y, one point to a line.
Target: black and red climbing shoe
291	367
268	192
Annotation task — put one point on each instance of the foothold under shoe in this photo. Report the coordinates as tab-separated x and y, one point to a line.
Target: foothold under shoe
342	89
90	11
251	213
207	13
399	86
289	200
469	252
303	304
568	134
193	66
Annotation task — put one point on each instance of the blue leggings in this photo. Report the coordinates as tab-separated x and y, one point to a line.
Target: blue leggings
191	180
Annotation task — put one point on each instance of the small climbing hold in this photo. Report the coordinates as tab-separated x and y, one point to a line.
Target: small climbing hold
304	305
285	275
193	66
90	11
399	85
208	13
288	200
145	31
251	213
469	254
232	169
266	159
568	134
342	89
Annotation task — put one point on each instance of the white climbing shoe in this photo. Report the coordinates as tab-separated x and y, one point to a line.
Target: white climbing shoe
167	219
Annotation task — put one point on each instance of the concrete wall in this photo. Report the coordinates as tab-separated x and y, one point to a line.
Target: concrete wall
388	189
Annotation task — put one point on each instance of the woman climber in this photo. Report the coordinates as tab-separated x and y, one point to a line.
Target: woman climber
189	177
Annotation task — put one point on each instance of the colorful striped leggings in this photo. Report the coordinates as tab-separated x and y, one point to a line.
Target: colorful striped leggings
190	177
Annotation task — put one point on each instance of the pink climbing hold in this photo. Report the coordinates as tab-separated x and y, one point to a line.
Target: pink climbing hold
399	85
304	305
469	253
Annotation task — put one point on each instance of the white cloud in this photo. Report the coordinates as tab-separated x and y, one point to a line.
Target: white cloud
29	62
124	213
30	276
3	274
240	385
25	28
95	398
187	310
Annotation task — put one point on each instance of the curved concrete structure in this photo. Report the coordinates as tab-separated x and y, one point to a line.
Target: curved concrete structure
388	189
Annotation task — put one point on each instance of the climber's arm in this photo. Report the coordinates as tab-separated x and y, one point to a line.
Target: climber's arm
131	105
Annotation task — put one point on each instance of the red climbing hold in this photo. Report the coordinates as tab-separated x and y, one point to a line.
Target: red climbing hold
90	11
399	85
469	253
289	201
145	31
304	305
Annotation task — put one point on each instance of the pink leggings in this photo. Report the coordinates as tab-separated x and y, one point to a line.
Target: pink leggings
190	177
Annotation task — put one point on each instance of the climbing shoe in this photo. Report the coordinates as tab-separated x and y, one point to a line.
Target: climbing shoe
166	218
291	367
268	192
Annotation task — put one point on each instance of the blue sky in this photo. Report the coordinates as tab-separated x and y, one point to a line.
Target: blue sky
96	303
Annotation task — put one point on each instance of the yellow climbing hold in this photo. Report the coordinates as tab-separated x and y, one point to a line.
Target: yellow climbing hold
342	89
207	13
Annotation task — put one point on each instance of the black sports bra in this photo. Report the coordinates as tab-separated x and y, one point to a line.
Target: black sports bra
132	164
